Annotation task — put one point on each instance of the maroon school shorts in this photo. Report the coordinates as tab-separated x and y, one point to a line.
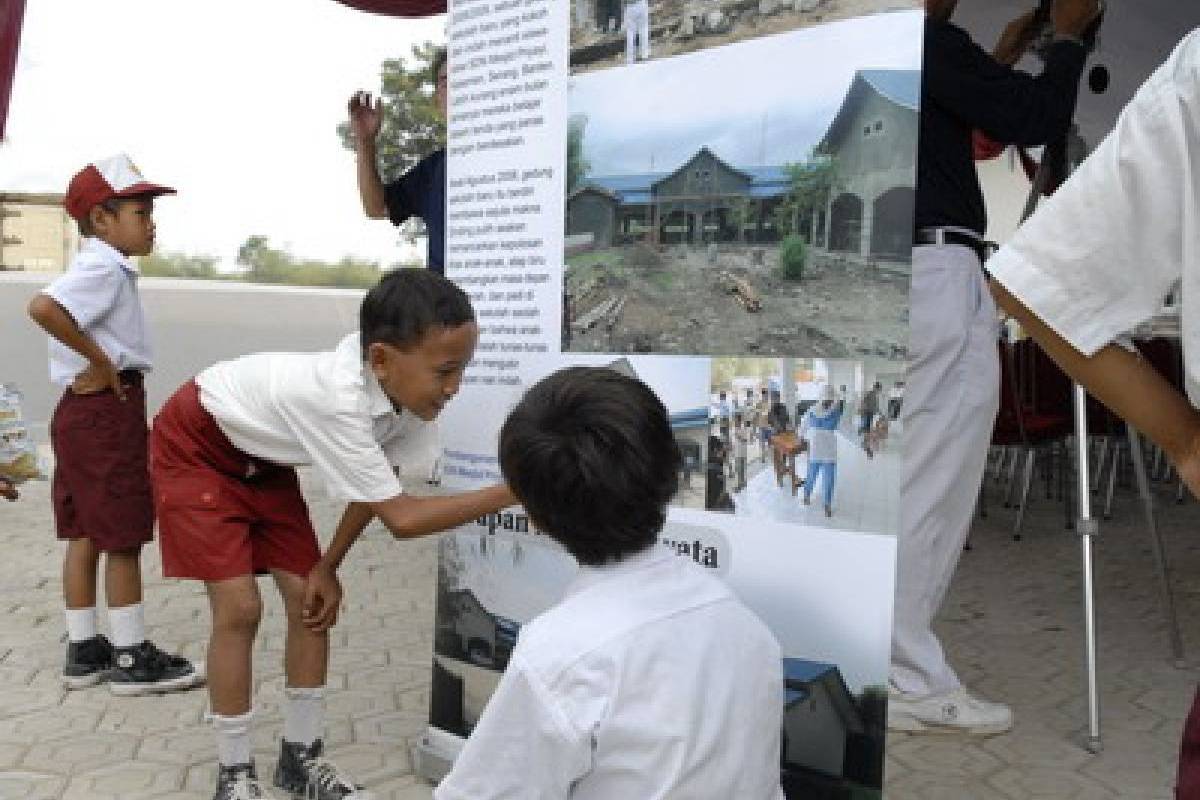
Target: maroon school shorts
221	512
101	488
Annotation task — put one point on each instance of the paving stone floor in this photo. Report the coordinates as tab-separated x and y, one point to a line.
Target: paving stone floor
1013	626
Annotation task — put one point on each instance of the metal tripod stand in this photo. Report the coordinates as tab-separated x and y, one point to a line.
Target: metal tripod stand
1063	158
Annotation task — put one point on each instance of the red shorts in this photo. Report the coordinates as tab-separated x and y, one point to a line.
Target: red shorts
101	489
221	512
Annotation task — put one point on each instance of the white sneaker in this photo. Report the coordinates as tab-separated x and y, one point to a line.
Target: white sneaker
949	712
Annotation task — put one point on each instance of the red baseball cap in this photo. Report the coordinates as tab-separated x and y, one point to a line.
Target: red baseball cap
102	180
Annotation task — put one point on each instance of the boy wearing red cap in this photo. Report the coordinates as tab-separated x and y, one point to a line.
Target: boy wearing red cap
99	350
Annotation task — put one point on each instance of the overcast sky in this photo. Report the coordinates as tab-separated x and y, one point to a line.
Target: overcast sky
233	103
765	101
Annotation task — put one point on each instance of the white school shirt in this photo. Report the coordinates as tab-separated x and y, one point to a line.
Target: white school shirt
99	291
648	681
1100	255
325	409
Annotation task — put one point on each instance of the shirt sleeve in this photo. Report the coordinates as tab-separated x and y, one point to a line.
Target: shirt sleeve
1101	254
342	446
1006	104
402	197
88	291
523	747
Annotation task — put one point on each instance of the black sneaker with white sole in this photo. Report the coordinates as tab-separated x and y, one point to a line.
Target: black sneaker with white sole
144	669
88	662
239	782
306	774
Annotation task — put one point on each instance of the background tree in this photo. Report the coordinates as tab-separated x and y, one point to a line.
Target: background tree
178	265
577	166
811	185
412	128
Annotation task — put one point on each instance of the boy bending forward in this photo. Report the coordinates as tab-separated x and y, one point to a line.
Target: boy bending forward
223	451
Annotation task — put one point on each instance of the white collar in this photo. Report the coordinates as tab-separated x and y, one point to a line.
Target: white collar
650	557
96	245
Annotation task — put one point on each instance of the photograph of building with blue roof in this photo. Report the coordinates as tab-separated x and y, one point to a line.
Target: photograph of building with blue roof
718	207
833	742
867	211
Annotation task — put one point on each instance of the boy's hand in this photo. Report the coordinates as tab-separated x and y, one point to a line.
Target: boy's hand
7	490
366	118
322	598
97	378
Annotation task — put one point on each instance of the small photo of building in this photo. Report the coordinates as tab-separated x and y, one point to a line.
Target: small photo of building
613	33
716	207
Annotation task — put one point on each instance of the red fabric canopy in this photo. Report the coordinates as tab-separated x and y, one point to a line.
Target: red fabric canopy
399	8
12	12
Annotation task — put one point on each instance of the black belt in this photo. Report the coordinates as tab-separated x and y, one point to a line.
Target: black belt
944	236
131	377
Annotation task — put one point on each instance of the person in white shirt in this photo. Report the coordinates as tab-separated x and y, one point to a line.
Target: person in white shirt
649	678
819	427
224	449
637	30
1099	257
99	353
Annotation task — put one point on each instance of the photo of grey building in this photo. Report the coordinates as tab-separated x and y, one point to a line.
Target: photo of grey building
777	221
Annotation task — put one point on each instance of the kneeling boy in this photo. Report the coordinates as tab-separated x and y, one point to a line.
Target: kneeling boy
224	448
649	679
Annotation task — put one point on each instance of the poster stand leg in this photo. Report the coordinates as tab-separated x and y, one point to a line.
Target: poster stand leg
1087	527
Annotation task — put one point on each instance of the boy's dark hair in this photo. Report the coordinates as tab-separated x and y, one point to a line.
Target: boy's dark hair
436	63
590	454
406	304
111	205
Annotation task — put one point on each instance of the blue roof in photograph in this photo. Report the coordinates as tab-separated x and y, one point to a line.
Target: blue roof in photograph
693	417
799	669
901	86
765	182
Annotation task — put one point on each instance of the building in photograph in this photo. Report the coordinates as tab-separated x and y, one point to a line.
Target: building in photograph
873	141
703	200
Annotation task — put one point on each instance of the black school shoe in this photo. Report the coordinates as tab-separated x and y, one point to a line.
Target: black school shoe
239	782
88	662
306	774
144	669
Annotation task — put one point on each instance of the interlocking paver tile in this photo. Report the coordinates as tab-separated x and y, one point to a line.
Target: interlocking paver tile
134	780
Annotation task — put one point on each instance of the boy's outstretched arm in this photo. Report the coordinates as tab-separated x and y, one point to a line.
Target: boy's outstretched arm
407	517
1128	385
101	372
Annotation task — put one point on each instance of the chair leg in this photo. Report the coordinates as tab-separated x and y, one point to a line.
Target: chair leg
1156	545
1024	494
1010	489
1099	466
1112	481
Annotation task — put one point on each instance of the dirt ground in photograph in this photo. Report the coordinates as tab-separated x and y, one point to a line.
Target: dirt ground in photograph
678	300
590	51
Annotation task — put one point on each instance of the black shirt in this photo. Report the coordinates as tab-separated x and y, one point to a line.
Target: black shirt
962	89
421	192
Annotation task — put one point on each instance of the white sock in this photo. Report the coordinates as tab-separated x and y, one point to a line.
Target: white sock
128	625
233	738
304	718
81	623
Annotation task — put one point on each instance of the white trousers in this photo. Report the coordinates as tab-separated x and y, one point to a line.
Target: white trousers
952	393
637	29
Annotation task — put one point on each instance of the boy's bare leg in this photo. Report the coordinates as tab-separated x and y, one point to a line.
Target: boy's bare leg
123	577
306	653
236	610
79	573
1128	385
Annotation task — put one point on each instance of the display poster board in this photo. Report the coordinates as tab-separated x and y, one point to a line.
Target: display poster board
716	197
